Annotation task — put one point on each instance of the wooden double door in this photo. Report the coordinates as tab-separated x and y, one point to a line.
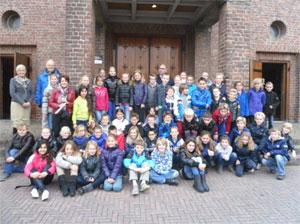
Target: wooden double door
146	54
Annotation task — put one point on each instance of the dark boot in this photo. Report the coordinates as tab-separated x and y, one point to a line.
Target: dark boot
220	170
198	184
172	182
203	180
72	185
63	185
86	188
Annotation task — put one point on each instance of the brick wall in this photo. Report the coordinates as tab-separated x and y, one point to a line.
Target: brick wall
100	45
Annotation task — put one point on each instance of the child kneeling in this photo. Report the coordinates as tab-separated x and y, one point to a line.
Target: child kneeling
139	163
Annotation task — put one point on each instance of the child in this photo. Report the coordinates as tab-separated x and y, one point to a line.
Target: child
140	94
82	110
64	135
206	123
151	124
162	171
46	110
256	98
101	99
177	82
111	83
18	148
112	130
124	95
182	102
162	89
193	165
245	150
133	136
90	175
152	94
150	140
120	122
189	125
242	98
68	159
219	83
152	111
169	103
190	82
237	131
225	156
105	123
222	117
111	163
201	98
99	137
183	77
276	153
81	137
272	102
85	82
165	127
139	163
259	134
40	168
134	121
46	135
207	148
286	129
234	106
205	75
175	142
216	99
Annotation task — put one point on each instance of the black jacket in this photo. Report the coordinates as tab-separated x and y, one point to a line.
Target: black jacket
150	145
111	83
124	94
259	134
244	153
51	141
60	141
234	108
23	144
90	167
159	81
271	99
289	141
215	104
210	127
188	161
162	93
190	129
146	129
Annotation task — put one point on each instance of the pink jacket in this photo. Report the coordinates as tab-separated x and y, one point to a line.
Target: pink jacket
101	98
36	162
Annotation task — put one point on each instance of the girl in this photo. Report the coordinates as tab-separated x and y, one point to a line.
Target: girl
124	95
68	159
177	82
105	123
46	136
183	77
81	137
120	122
99	137
90	169
140	94
64	135
40	168
111	163
219	83
111	83
102	73
133	136
152	111
242	98
101	99
216	99
162	171
207	148
245	150
82	111
222	117
193	165
256	98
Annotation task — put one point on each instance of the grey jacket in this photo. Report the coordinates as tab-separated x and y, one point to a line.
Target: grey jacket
65	162
46	96
18	93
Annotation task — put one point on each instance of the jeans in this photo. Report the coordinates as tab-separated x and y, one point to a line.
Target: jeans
50	118
222	129
161	178
190	172
223	162
125	108
247	164
97	182
9	166
277	162
112	110
209	159
116	186
84	122
99	114
39	183
140	111
270	120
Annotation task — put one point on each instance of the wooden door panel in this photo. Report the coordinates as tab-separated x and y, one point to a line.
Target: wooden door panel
142	55
256	70
21	59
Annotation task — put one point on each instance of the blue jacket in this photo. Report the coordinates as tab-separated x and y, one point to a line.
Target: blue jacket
256	100
235	133
165	129
42	83
140	93
204	151
128	148
259	134
244	105
278	147
137	159
111	162
244	153
192	87
201	98
100	141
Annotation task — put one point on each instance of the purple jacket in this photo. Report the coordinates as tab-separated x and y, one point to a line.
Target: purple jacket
111	162
140	93
257	100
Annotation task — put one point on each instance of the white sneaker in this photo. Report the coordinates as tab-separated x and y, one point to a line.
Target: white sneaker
34	193
258	166
45	195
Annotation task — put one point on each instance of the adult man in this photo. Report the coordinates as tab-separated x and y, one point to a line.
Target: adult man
163	70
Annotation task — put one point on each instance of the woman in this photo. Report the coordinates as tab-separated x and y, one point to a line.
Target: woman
22	94
61	100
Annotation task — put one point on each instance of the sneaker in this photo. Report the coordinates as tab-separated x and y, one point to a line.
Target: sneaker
144	187
45	195
135	190
220	170
280	177
258	166
230	167
272	171
172	182
5	176
34	193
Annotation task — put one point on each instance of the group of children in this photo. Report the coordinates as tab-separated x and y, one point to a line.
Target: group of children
154	133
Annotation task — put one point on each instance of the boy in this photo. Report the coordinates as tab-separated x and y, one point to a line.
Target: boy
168	103
272	102
111	83
189	125
150	140
222	117
238	130
139	164
286	129
165	127
183	101
152	98
162	88
201	98
191	84
134	121
276	153
175	142
234	106
219	84
100	137
112	130
206	123
150	124
18	148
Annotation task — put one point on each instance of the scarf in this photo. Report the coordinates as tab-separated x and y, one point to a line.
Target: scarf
63	94
24	82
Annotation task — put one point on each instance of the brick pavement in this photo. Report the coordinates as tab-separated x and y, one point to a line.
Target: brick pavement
258	198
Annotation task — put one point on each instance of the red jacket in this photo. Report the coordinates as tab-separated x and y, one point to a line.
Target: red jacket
36	162
220	120
101	98
53	101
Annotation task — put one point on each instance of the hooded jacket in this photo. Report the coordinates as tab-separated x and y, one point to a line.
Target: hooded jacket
256	100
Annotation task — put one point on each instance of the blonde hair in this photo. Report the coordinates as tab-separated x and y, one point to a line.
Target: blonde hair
232	91
65	129
76	132
257	81
251	144
130	140
211	142
272	130
220	74
22	126
269	83
82	77
121	79
141	74
223	106
189	112
257	114
288	126
174	127
241	119
86	151
162	140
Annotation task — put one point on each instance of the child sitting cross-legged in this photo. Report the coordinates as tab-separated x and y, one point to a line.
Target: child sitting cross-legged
139	164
